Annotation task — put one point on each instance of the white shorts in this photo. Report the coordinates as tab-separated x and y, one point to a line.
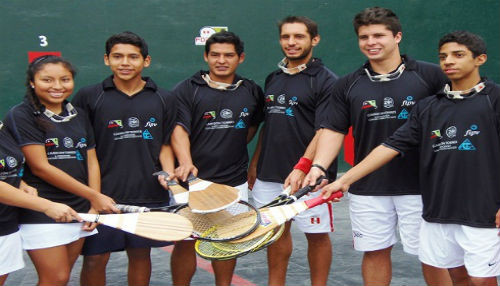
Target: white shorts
12	253
243	188
45	235
375	220
315	220
454	245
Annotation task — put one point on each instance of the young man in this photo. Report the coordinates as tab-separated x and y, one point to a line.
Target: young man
457	135
296	97
375	100
219	113
132	119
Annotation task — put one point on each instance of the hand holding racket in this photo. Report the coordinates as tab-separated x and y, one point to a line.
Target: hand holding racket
337	186
154	225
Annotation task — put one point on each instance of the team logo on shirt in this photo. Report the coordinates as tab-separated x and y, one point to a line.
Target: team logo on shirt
289	111
68	142
293	101
52	142
410	101
240	125
466	146
133	122
436	134
226	113
147	135
369	104
472	131
82	143
281	99
451	131
269	97
115	123
209	115
403	114
2	163
11	161
388	102
78	155
151	123
245	112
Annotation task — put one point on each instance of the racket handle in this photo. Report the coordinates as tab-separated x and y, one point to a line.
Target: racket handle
131	209
301	192
319	200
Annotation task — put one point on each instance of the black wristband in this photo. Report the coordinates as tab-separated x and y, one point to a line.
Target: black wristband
319	167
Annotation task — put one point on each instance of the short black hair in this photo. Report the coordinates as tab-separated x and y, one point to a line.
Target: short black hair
127	37
472	41
225	37
312	27
377	15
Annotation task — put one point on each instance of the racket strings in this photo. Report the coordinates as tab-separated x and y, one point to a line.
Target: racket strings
235	221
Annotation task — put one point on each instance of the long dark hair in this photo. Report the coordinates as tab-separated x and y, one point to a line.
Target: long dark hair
34	67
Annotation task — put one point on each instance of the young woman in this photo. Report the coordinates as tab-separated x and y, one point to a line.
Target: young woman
15	193
61	164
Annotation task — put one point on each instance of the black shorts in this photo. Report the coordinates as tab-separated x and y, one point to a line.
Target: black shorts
111	239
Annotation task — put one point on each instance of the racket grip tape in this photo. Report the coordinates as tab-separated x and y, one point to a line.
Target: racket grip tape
319	200
131	209
303	191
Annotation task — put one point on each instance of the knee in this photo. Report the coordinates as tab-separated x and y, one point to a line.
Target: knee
95	261
318	239
55	278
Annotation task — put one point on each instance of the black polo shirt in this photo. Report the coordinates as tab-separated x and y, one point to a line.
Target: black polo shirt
217	122
66	145
11	171
375	110
129	131
295	106
459	146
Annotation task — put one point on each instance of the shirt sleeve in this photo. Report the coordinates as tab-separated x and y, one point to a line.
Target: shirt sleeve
23	125
337	114
408	135
90	132
169	116
184	97
324	94
258	116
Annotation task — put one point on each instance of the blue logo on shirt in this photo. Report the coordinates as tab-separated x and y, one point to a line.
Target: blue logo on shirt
403	114
21	172
289	111
147	135
79	156
466	146
240	125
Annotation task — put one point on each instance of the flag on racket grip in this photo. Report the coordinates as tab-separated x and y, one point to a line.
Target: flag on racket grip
275	216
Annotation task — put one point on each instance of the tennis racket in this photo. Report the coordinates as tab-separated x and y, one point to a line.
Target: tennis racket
234	222
203	196
226	250
275	216
206	196
153	225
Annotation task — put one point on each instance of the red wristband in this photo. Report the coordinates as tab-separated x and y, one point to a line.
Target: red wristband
304	165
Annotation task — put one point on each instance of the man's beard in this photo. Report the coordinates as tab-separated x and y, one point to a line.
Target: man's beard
302	56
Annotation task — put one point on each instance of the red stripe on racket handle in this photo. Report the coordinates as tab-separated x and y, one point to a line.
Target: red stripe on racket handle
319	200
131	209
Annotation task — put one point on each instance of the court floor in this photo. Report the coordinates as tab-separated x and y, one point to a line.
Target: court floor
252	269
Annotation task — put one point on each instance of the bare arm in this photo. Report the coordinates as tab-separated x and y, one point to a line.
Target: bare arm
377	158
252	168
167	162
182	150
252	130
327	149
40	166
10	195
296	177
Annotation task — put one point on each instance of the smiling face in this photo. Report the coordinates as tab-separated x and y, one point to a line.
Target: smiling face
52	84
458	62
378	43
296	43
223	60
126	62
